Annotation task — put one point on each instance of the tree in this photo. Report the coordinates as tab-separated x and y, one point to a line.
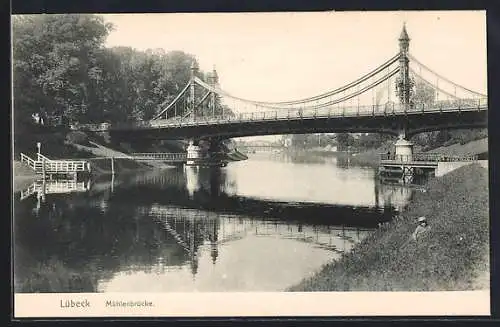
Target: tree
424	94
55	64
344	140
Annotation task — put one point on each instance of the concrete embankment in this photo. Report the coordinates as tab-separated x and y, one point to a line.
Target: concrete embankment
452	255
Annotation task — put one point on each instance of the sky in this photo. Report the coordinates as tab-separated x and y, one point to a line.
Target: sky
289	56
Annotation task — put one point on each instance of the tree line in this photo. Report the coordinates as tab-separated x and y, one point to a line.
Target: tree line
63	71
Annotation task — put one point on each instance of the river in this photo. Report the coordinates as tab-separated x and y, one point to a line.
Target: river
262	224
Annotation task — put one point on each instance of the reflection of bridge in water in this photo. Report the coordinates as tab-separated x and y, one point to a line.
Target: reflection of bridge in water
213	190
194	215
198	230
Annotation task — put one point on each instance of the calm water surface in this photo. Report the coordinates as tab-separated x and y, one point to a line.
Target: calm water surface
258	225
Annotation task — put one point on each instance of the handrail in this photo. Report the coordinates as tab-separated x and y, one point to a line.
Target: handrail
429	157
30	162
54	165
160	156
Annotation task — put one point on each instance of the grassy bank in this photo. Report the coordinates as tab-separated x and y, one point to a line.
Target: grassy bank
474	147
23	176
54	277
452	256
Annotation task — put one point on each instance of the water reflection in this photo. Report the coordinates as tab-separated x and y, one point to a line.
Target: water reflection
193	229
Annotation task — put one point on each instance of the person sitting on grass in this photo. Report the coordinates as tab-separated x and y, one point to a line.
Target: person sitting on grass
421	229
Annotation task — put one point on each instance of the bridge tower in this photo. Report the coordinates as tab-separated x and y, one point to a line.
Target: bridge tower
404	88
213	80
404	83
192	99
194	152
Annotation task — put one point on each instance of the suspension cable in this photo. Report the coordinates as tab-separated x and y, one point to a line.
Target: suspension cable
444	78
318	97
361	91
431	85
173	101
315	106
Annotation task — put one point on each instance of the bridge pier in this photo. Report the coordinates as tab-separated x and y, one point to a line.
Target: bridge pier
201	153
194	154
402	162
404	149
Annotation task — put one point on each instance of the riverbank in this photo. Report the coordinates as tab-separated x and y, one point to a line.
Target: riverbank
454	255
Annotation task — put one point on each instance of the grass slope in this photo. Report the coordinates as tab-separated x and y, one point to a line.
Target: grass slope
473	147
452	256
103	166
23	176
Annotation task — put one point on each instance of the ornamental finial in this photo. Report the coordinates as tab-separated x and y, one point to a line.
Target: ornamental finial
404	33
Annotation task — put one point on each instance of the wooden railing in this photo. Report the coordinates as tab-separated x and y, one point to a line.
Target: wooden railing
61	166
54	166
28	191
28	161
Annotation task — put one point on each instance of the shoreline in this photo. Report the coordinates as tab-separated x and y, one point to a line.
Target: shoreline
453	256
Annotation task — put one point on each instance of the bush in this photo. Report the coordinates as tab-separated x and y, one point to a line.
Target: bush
77	138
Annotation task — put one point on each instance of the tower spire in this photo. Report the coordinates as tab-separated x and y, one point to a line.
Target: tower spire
404	83
193	68
404	39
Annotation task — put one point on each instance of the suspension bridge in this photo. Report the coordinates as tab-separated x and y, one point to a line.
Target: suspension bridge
202	110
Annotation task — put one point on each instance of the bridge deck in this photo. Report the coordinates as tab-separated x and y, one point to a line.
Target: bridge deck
293	114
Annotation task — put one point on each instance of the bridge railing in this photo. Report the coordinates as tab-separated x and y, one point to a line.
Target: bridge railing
337	110
444	157
429	157
160	156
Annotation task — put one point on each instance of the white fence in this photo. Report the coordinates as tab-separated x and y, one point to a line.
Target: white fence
55	166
